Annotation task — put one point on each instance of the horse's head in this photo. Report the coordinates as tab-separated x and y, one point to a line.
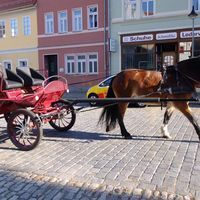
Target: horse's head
191	69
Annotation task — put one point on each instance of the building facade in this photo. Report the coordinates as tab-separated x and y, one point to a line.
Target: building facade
72	38
149	34
18	33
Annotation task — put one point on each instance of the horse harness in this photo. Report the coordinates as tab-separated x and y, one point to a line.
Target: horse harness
174	82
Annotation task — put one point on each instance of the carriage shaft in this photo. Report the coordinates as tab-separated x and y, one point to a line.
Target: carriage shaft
128	100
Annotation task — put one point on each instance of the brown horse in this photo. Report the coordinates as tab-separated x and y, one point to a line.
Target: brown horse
178	82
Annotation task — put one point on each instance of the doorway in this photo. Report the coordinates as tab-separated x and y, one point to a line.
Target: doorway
51	64
169	58
166	54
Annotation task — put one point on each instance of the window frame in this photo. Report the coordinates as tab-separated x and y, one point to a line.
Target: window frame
23	60
81	61
128	9
3	30
76	62
198	5
142	12
73	19
60	19
66	64
16	31
96	14
93	60
7	61
46	21
26	27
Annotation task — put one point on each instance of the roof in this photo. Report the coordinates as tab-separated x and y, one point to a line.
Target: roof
6	5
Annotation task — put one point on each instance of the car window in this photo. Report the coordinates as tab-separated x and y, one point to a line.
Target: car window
106	82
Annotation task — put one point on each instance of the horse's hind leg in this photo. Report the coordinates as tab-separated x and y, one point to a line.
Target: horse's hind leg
122	110
168	113
185	109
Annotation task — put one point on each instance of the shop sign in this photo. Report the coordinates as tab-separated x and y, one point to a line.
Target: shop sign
188	34
138	38
166	36
112	45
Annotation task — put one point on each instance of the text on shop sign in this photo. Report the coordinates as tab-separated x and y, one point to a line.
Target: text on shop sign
138	38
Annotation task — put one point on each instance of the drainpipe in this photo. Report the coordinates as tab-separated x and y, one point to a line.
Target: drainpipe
105	40
109	35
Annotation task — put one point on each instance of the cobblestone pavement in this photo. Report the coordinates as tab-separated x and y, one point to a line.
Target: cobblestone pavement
88	163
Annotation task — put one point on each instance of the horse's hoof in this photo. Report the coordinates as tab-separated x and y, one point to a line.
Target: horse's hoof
128	137
107	129
167	137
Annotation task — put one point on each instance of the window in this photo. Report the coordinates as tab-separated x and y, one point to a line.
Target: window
130	9
185	49
70	65
14	27
106	82
27	25
2	29
23	63
92	17
62	22
138	56
93	63
77	20
49	23
147	7
81	64
7	64
196	4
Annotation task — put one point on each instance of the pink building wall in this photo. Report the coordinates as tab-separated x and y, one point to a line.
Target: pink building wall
82	42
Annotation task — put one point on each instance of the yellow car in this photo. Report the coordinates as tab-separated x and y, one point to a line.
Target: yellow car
100	90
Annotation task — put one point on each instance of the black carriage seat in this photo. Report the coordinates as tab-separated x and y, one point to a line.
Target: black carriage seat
9	79
30	76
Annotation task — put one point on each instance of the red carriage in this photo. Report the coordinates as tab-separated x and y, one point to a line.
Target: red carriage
27	100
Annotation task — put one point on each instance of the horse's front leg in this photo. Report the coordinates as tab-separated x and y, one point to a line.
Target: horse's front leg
122	110
185	109
168	113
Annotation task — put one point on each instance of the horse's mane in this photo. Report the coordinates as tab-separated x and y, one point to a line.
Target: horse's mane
189	64
140	70
190	60
190	67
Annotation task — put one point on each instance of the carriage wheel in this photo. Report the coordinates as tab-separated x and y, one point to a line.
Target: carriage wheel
66	117
24	129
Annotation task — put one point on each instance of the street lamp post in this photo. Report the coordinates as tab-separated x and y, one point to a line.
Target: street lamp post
193	15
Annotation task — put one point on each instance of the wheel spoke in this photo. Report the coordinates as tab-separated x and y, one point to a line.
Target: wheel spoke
24	131
66	117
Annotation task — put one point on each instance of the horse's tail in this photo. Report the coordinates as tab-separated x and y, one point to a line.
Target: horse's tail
110	111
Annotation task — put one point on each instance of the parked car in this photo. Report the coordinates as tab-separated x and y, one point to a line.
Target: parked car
100	91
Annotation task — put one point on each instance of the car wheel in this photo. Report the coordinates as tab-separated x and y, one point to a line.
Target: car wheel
93	96
137	105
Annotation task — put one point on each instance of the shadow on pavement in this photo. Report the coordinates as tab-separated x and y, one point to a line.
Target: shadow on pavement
3	136
81	135
49	134
17	185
